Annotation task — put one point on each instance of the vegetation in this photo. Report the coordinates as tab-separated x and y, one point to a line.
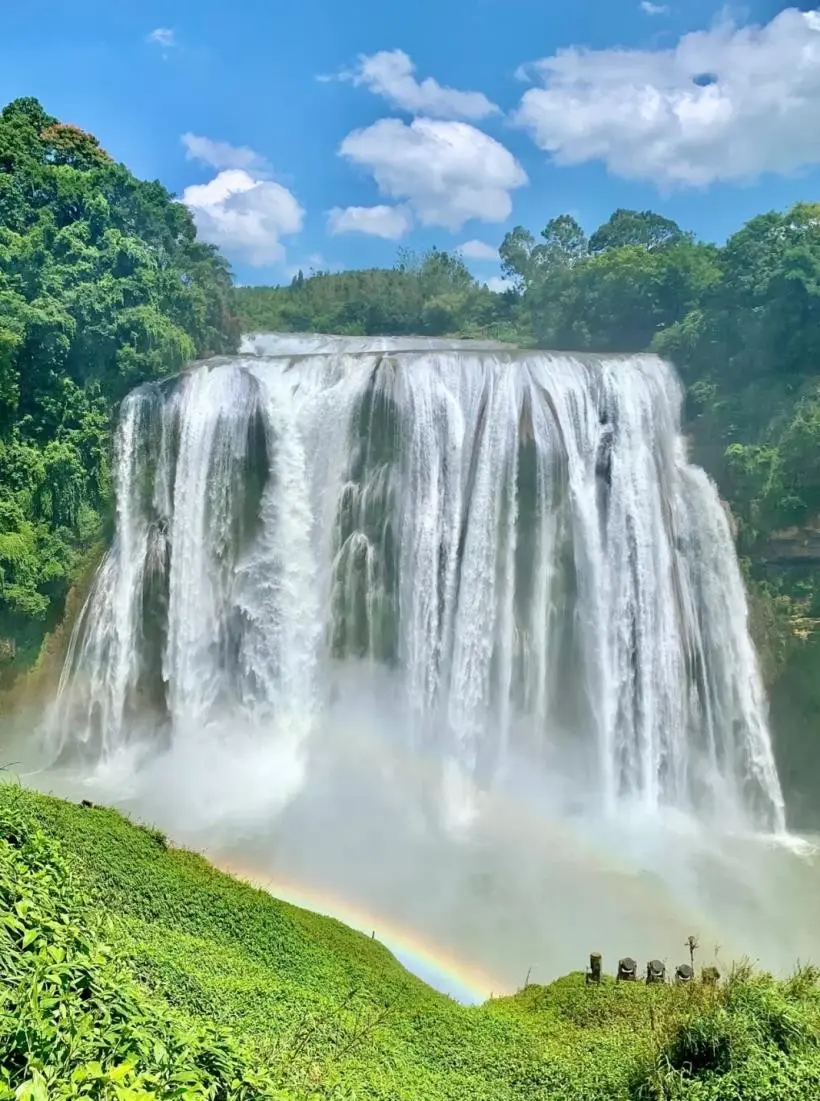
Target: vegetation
133	971
432	295
102	286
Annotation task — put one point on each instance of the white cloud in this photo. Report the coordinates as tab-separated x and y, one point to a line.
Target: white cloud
390	73
724	104
478	250
391	222
654	9
448	172
499	284
164	37
243	216
219	154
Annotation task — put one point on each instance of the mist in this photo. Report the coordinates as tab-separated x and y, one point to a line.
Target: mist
523	882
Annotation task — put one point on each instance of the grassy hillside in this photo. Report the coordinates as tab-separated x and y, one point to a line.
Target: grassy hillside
131	970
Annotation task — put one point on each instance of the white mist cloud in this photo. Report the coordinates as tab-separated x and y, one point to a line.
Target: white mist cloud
727	103
391	74
164	37
478	250
446	171
390	222
220	154
243	216
499	284
654	9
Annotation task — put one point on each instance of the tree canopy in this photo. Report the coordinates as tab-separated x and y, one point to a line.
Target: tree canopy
431	294
103	284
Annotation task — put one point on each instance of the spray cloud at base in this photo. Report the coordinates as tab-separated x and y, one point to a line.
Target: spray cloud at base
455	634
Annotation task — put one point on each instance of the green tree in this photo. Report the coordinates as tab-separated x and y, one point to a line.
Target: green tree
633	227
565	243
103	285
432	293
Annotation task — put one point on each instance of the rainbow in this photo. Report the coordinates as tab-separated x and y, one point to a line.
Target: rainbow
436	964
431	962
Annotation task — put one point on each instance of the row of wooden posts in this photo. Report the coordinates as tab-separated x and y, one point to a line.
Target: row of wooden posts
655	972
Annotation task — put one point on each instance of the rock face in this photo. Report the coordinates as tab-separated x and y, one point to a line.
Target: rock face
788	643
797	545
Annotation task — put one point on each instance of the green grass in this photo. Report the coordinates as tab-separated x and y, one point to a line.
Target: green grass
131	970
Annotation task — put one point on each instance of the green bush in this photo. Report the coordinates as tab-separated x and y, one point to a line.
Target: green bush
73	1020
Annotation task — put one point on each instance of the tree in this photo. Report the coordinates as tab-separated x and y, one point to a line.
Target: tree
103	285
564	242
524	261
516	253
430	293
641	228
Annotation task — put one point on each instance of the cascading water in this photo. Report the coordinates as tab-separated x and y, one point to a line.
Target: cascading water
513	542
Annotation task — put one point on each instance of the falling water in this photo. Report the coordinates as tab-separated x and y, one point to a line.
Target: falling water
516	541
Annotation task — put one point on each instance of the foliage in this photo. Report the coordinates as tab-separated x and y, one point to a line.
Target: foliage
753	1037
433	295
74	1022
102	285
198	986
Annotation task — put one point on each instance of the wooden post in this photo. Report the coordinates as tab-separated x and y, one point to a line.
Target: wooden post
594	970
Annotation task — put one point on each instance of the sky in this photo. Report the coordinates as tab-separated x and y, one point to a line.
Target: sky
330	133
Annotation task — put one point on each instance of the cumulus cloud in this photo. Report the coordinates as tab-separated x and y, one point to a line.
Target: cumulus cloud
164	37
499	284
219	154
654	9
390	222
478	250
244	216
391	74
446	171
724	104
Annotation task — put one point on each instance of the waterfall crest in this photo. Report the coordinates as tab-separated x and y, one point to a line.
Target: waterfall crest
516	541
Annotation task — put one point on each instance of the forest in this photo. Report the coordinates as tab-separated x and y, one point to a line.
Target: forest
103	284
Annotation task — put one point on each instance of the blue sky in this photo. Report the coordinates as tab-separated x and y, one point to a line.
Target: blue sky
330	134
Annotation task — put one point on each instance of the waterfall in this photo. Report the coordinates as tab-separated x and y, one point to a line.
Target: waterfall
514	540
